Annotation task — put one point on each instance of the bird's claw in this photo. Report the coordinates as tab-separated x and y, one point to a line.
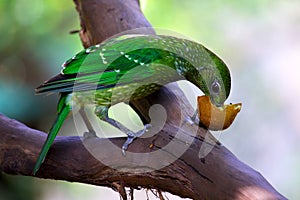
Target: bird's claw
192	120
129	140
189	120
131	136
89	134
143	131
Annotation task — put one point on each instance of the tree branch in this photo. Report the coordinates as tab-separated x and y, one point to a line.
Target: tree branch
218	175
102	19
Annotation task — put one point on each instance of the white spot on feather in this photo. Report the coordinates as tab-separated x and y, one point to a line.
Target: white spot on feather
127	56
103	58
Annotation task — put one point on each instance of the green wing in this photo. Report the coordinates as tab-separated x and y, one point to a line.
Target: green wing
102	66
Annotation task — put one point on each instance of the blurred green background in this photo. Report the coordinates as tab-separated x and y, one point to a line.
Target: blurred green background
258	39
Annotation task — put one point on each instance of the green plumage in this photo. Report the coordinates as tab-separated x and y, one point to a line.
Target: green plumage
63	111
132	67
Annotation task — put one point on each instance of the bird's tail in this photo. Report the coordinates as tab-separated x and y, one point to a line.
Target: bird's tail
63	110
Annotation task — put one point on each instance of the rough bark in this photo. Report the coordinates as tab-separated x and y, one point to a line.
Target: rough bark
218	175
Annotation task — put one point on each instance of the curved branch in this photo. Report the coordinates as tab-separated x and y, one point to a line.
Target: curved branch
102	19
218	175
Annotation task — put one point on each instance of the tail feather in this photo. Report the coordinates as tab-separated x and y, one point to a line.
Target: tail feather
63	112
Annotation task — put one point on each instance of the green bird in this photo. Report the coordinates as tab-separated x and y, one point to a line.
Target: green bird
131	67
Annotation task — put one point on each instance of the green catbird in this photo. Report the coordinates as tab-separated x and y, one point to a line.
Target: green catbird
131	67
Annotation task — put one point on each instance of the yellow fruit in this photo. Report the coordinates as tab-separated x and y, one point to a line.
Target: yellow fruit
216	118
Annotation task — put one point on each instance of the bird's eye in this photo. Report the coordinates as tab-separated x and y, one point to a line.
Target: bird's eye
215	87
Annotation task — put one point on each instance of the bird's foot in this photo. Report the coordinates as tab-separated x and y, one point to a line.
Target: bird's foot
192	120
189	120
131	136
89	134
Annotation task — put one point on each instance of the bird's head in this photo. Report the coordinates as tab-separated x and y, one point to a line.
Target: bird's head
212	77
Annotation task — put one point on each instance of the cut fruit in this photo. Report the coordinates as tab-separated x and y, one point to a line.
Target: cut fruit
216	118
